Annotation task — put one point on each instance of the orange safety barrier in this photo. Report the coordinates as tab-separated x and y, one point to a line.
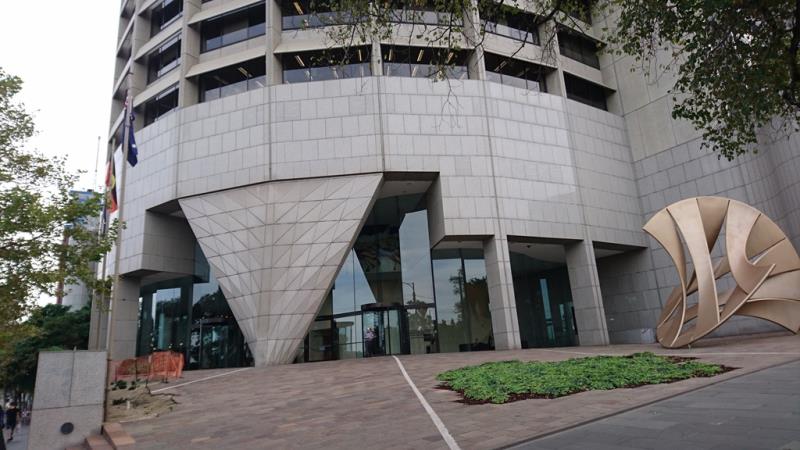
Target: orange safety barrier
155	366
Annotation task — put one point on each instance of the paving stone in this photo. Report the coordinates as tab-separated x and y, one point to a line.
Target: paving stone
368	404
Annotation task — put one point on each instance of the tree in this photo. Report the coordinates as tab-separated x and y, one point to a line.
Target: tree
736	62
52	327
36	207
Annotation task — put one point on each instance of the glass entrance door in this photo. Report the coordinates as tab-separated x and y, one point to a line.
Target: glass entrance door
385	331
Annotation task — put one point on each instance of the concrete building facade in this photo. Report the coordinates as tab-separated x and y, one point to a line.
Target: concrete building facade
284	209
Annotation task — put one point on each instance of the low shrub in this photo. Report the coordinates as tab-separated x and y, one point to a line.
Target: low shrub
504	381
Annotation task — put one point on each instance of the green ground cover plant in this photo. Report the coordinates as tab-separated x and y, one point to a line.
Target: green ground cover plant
506	381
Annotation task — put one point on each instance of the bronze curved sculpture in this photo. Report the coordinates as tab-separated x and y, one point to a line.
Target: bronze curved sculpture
759	257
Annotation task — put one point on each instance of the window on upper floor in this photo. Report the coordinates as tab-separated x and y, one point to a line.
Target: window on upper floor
164	59
579	48
302	14
585	92
509	22
163	15
422	12
164	102
233	27
582	10
233	79
332	64
424	62
513	72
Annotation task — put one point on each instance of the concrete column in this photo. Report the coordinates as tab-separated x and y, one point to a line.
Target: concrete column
98	324
502	304
586	296
125	314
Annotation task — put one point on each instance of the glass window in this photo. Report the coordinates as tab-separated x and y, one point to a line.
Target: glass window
462	301
233	27
190	315
584	91
514	72
579	48
423	12
161	104
509	22
233	79
333	64
302	14
164	59
421	62
544	302
163	15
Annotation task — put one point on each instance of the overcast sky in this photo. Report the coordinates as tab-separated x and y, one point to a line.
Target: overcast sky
64	53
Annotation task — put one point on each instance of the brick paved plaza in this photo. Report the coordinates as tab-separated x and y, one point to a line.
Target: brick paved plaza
367	403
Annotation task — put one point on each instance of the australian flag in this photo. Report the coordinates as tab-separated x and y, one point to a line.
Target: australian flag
133	150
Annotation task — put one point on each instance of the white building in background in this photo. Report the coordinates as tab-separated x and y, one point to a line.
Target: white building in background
285	210
77	295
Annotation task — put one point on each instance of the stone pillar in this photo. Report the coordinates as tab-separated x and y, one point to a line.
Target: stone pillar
586	296
502	303
69	390
125	314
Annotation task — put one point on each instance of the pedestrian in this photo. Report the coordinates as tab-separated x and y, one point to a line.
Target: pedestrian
12	418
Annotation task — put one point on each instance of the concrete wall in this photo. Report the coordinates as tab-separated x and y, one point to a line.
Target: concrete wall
69	388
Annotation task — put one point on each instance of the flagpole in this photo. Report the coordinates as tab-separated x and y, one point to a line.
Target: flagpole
113	301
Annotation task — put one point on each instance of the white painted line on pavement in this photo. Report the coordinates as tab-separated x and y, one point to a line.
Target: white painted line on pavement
201	379
434	417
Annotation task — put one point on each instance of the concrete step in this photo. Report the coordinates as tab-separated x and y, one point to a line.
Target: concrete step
117	436
97	442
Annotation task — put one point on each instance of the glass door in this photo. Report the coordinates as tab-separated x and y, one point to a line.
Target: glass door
374	332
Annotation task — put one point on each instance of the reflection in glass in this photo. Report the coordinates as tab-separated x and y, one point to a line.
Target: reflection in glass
462	301
544	302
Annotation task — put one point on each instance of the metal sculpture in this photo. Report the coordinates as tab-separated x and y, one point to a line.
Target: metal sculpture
760	258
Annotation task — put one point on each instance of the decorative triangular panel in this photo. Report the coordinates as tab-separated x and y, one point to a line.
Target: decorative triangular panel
275	249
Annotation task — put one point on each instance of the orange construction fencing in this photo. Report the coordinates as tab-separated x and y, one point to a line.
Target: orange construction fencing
155	366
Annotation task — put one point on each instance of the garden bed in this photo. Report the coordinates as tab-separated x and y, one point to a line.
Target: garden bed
508	381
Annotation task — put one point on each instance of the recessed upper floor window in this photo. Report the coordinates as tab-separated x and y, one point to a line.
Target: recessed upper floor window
302	14
581	10
423	12
332	64
163	15
424	62
510	22
585	92
233	79
233	27
513	72
164	59
161	104
578	47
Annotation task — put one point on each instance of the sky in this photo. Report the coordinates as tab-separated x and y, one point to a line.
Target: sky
64	53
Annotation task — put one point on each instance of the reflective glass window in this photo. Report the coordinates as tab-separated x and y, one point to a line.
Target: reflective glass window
544	302
423	62
585	92
233	27
163	15
161	104
509	22
578	47
164	59
231	80
513	72
332	64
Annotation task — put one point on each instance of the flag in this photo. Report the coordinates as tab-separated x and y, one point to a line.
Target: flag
111	188
133	150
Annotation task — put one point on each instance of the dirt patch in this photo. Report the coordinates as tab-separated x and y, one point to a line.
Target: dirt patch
126	405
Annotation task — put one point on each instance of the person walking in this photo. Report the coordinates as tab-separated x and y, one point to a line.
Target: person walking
12	419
